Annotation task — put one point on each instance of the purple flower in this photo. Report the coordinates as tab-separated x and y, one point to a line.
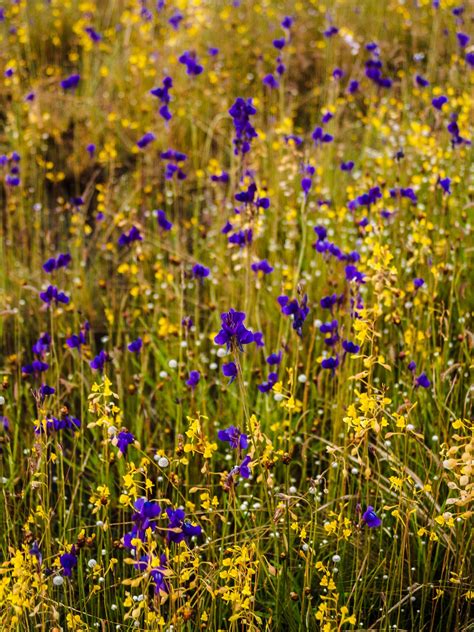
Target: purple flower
347	166
258	339
330	363
287	22
234	437
438	102
99	361
230	370
91	149
279	43
270	81
470	59
243	469
95	37
193	380
42	345
53	294
200	272
61	261
463	39
419	282
262	266
135	345
123	440
145	140
353	87
146	512
175	19
329	32
370	518
299	311
445	184
350	347
422	380
412	366
70	82
223	177
36	367
241	112
266	387
233	332
179	528
338	73
320	137
242	238
189	59
163	222
68	562
133	235
274	358
46	390
421	81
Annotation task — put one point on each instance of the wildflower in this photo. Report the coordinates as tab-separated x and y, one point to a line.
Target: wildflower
123	440
53	294
145	140
241	112
179	528
193	379
70	82
274	358
163	222
438	102
99	361
234	437
270	81
421	81
370	518
146	512
135	346
189	59
37	366
46	390
330	363
445	184
320	137
242	470
258	339
347	166
230	370
353	87
164	96
350	347
200	271
95	37
299	311
338	73
412	366
422	380
233	332
329	32
262	266
267	386
35	551
418	283
463	39
223	177
287	22
91	149
42	345
175	19
242	237
68	561
61	261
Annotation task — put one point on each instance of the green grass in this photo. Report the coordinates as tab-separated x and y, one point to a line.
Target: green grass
286	549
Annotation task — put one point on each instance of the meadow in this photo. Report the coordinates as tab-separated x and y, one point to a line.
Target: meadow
235	315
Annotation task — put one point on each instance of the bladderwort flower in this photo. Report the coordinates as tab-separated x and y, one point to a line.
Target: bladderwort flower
62	261
350	347
274	358
330	363
262	266
99	361
68	561
438	102
230	370
135	346
242	470
146	513
422	380
70	82
42	345
77	340
200	271
35	368
179	528
145	140
370	518
53	424
164	96
126	239
241	111
163	221
297	310
122	440
234	437
52	294
233	332
189	59
267	386
193	380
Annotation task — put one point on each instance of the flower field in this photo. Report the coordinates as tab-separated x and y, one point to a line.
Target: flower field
235	315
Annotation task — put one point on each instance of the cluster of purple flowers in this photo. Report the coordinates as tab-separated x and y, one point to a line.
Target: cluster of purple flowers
164	96
189	59
126	239
299	310
12	179
241	112
52	294
53	424
173	160
61	261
